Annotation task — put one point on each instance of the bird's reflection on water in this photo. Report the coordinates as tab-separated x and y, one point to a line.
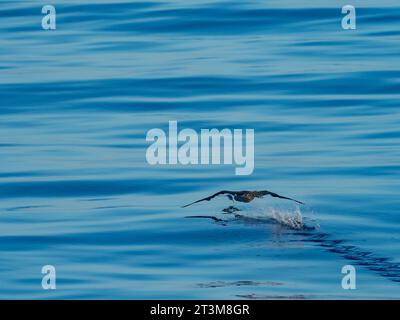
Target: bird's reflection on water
304	233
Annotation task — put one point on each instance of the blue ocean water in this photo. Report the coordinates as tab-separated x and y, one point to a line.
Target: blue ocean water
77	192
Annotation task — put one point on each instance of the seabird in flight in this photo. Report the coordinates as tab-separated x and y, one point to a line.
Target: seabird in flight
243	196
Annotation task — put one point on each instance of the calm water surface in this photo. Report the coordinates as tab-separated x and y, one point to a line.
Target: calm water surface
77	193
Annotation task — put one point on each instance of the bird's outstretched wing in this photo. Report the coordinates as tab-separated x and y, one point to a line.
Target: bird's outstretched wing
275	195
223	192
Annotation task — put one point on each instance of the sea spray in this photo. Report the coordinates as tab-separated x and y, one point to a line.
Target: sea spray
288	216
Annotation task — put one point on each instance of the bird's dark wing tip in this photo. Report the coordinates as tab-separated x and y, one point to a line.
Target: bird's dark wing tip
188	205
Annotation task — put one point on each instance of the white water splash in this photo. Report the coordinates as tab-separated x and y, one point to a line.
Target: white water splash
290	217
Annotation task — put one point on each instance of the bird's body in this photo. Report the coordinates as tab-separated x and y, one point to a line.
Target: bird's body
243	196
246	196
